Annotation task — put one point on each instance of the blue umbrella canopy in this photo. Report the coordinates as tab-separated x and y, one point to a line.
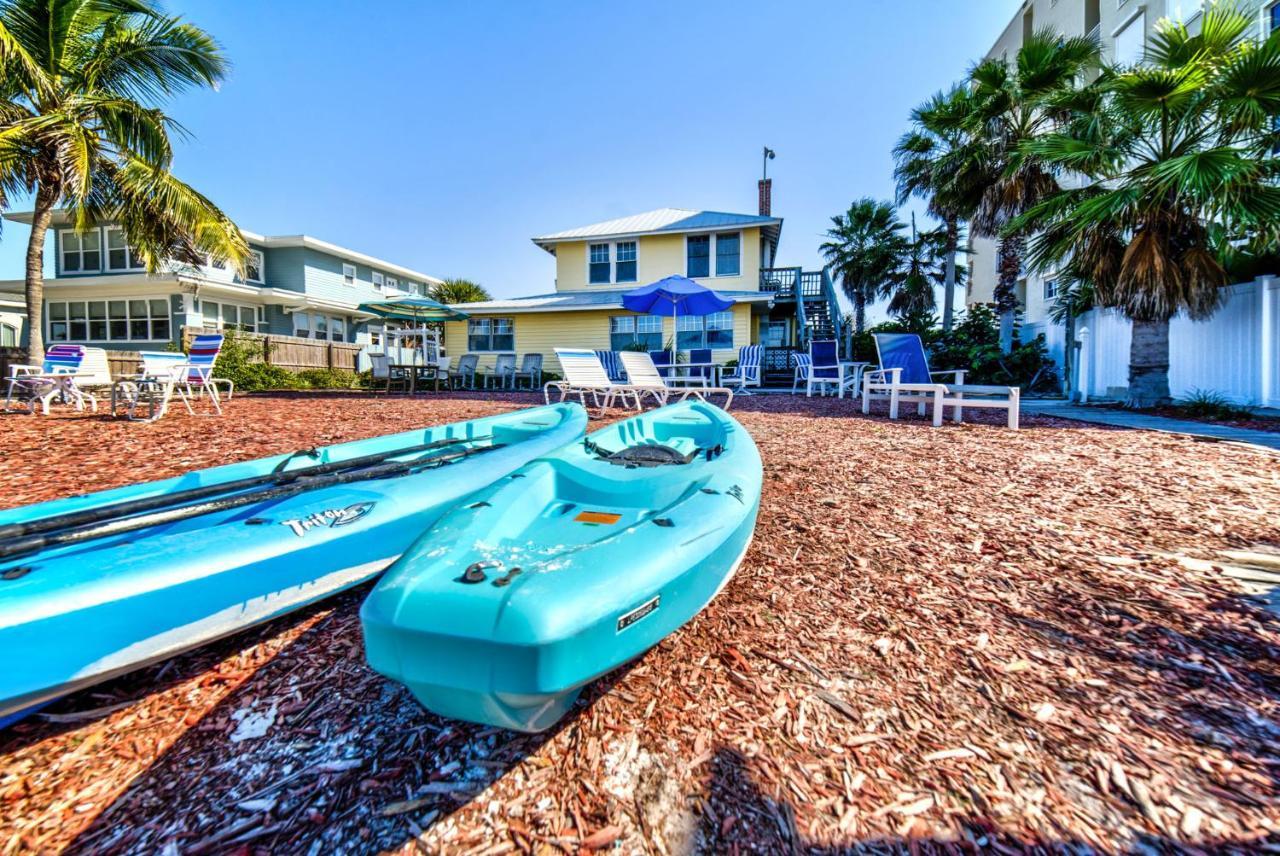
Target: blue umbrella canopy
675	295
420	309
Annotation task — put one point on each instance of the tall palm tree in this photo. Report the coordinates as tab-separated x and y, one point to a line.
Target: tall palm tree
912	295
80	127
864	249
459	291
935	161
1012	105
1178	157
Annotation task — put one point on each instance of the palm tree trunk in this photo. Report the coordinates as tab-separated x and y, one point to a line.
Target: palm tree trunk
1006	294
1068	352
859	314
949	274
40	220
1149	364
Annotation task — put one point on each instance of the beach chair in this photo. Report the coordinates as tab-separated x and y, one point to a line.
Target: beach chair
700	373
531	370
646	378
380	365
747	372
824	367
801	364
666	359
55	377
201	358
904	375
465	373
612	366
584	373
504	372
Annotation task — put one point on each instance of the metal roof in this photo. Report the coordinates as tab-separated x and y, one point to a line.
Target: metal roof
576	301
671	220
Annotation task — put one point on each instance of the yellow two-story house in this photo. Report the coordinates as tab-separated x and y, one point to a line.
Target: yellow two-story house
597	264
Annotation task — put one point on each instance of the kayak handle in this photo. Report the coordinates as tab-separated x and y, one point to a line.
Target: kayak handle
475	572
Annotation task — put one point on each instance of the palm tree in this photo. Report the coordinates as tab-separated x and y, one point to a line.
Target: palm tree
864	250
935	161
1012	105
459	291
1178	159
80	127
912	295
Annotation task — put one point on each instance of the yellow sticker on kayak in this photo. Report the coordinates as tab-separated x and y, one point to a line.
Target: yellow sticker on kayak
608	518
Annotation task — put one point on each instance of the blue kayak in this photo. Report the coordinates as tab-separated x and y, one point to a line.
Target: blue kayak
569	567
96	585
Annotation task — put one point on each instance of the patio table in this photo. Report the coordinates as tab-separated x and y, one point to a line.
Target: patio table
852	370
416	372
691	379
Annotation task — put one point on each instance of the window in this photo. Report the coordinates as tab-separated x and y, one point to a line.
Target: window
125	320
230	316
1050	289
253	266
598	263
8	336
1273	15
627	331
81	253
348	274
626	267
705	331
377	280
393	284
315	325
1130	41
698	252
120	256
728	255
217	263
491	334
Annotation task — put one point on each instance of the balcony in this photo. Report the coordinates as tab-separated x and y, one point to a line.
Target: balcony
785	283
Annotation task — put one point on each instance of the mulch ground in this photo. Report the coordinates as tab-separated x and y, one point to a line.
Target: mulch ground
941	639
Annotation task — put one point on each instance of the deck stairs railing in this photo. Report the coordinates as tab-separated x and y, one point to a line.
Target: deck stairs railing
817	309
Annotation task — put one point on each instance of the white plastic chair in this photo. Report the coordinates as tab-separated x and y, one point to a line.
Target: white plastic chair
52	378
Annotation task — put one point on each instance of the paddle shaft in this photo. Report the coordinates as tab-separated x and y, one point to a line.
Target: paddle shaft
35	543
150	503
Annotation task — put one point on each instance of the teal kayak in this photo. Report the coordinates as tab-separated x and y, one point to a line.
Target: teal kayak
92	586
568	568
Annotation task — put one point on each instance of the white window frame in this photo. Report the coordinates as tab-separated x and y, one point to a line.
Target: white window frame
129	319
698	324
62	251
308	331
492	321
392	283
348	274
608	261
262	267
377	280
1050	289
713	240
612	261
129	264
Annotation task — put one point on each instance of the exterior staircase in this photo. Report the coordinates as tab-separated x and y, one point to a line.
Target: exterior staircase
817	314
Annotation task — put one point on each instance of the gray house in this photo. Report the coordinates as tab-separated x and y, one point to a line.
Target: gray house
295	285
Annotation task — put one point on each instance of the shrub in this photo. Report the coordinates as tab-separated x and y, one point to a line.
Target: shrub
256	377
1207	404
327	379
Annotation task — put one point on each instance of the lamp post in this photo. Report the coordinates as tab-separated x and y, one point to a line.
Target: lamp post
769	154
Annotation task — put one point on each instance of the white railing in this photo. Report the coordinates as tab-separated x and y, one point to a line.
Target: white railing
1236	353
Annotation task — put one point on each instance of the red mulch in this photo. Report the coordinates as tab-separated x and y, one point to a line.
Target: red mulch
941	639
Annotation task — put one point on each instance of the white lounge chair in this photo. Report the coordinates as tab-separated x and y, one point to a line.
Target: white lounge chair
584	373
903	375
643	375
747	372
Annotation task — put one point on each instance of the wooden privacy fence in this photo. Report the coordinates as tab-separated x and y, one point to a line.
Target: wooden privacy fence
291	352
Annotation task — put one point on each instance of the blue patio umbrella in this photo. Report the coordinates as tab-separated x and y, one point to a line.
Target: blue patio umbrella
676	295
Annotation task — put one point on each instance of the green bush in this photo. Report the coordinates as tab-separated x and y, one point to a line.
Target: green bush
327	379
1206	404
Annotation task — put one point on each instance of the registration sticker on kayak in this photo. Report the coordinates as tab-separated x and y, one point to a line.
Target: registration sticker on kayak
647	608
597	518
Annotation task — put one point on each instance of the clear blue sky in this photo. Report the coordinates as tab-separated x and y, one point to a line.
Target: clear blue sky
442	136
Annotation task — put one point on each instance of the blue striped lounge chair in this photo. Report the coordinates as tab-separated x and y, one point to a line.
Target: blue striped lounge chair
747	372
52	378
612	365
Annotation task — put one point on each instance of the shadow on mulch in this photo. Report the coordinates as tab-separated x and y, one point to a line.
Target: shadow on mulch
348	761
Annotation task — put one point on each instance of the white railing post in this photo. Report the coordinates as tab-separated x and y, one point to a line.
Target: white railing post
1268	329
1083	379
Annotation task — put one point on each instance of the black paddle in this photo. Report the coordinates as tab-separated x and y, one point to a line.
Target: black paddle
278	477
34	543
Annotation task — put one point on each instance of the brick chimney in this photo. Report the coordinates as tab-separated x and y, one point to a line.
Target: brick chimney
766	197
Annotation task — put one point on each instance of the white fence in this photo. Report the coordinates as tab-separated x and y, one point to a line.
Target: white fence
1236	353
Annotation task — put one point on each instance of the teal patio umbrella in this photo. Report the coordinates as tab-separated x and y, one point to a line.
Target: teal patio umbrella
421	310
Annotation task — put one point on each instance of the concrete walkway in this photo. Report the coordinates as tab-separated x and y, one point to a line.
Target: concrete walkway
1146	422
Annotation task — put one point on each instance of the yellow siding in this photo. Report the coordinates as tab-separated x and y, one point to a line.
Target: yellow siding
658	256
543	332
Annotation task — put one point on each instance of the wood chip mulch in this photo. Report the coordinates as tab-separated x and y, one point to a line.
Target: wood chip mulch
942	640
